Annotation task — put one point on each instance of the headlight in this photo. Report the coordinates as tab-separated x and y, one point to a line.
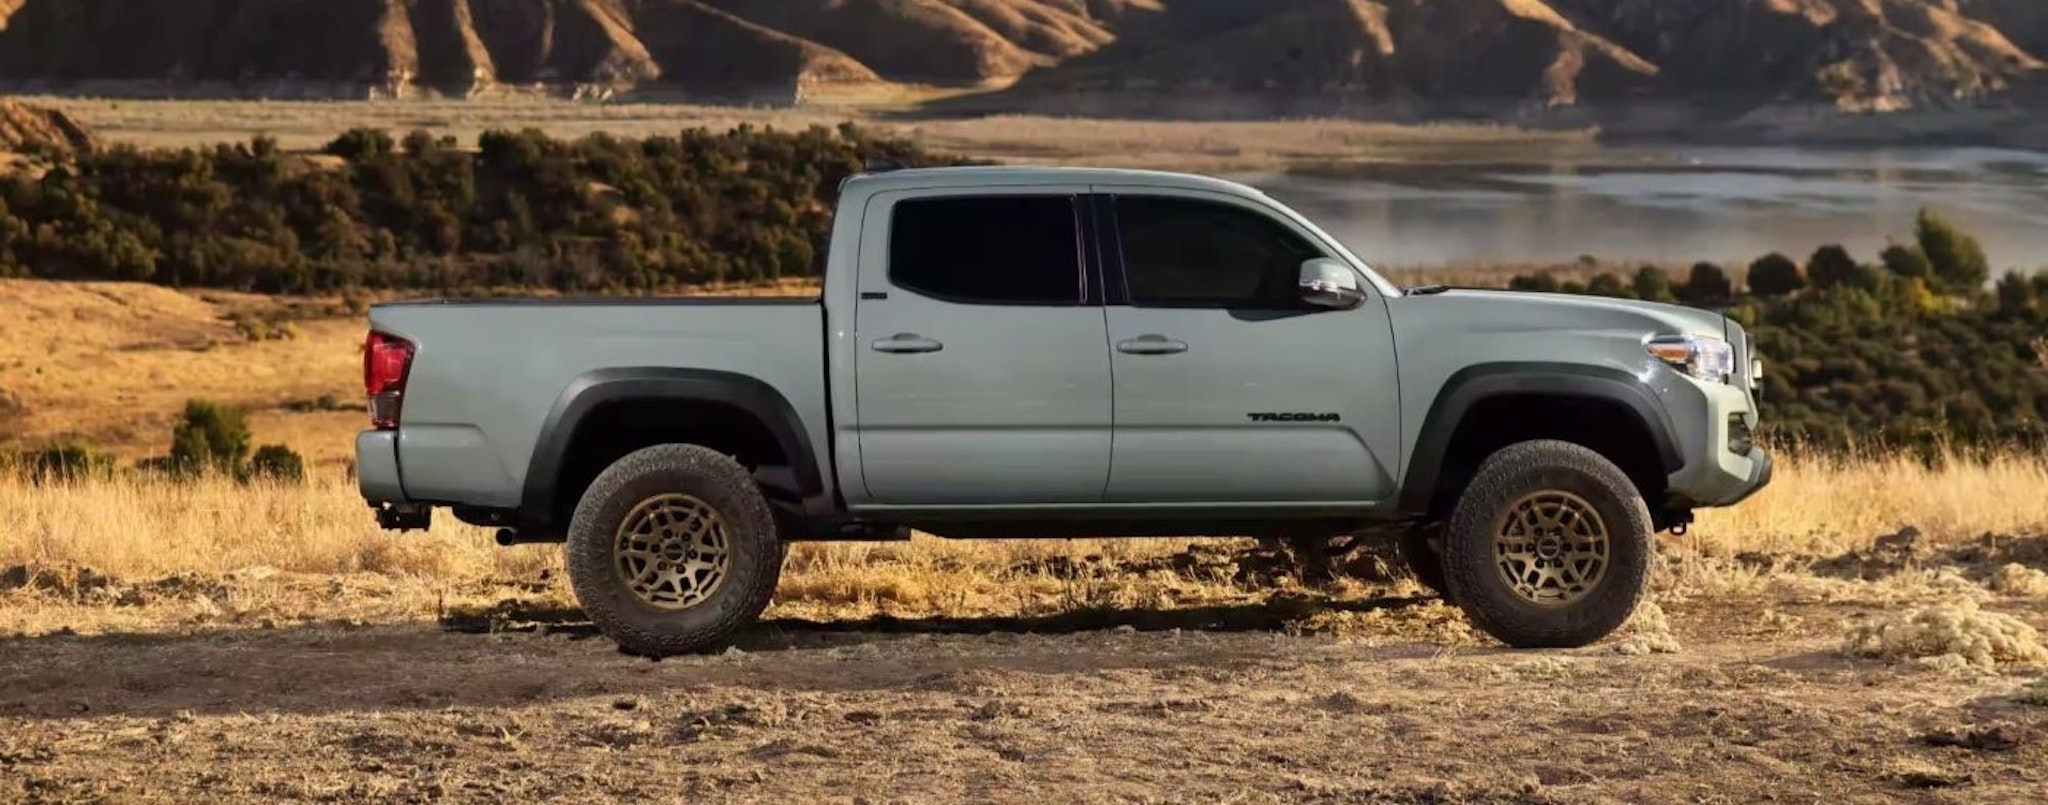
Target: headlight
1702	356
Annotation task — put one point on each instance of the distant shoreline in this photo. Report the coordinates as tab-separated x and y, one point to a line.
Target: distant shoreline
1211	145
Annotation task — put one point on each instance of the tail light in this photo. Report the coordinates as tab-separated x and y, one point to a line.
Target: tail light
386	359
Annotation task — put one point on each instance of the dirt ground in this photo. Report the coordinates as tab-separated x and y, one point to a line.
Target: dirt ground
1368	691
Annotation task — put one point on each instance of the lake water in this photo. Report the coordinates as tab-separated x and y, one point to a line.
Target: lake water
1675	203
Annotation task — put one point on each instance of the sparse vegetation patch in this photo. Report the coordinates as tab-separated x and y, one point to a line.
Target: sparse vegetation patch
1959	629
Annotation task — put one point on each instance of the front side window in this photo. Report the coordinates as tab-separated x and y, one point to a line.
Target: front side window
990	250
1186	252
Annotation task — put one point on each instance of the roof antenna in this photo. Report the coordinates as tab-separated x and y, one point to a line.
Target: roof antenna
881	165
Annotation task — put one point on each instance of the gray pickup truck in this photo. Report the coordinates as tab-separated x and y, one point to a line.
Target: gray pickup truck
1061	352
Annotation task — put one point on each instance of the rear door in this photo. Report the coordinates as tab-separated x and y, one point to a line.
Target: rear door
1227	387
982	374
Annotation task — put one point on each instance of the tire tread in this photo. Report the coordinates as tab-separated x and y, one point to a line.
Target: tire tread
719	481
1515	470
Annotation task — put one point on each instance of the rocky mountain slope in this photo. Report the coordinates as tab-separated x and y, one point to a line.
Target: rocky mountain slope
1420	55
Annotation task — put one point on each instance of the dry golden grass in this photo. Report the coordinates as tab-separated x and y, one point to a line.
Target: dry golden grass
1826	505
113	363
135	529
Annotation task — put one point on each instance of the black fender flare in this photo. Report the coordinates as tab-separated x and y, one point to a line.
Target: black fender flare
1474	384
591	389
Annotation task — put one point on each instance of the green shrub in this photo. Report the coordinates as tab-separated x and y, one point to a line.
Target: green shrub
276	462
1957	260
1905	261
210	438
1607	284
64	462
1534	283
2015	293
1774	275
1830	266
1652	285
1706	286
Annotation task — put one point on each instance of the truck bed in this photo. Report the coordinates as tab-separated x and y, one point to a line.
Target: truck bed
487	373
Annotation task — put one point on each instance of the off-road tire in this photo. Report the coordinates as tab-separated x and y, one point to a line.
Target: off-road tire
754	563
1477	586
1420	548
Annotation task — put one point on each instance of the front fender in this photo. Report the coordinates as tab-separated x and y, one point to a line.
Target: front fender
1468	387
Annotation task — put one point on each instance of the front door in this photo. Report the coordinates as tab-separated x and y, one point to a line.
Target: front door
982	374
1227	387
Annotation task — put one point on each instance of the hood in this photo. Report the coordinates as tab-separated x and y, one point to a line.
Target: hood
1512	311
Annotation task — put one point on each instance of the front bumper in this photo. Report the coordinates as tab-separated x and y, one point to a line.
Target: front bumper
1759	477
1715	474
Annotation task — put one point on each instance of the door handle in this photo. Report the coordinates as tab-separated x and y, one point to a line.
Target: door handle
904	343
1151	344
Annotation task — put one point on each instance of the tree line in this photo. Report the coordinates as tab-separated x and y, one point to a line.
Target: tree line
520	210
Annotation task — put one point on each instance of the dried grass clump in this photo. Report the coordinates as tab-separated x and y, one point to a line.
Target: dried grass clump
2018	580
1983	639
1433	622
1544	668
1648	632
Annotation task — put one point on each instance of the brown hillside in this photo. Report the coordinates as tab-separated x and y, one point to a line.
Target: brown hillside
358	41
22	126
1381	49
452	56
702	47
1426	56
452	46
2025	22
1472	55
1860	54
566	42
928	41
1049	28
1321	45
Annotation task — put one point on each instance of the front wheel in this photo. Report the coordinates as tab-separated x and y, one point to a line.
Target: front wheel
1548	547
673	550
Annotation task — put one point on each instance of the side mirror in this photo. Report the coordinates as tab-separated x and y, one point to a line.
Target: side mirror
1331	284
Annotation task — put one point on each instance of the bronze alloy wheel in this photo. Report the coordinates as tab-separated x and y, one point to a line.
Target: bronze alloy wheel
1550	547
672	551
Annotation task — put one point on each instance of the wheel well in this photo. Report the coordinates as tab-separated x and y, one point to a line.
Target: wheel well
617	427
1608	427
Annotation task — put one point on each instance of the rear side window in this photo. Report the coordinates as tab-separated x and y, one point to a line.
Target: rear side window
990	250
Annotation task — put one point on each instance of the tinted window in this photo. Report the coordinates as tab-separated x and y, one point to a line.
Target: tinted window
1198	253
988	249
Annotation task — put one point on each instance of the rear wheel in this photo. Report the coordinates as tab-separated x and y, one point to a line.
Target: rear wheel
1548	547
673	550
